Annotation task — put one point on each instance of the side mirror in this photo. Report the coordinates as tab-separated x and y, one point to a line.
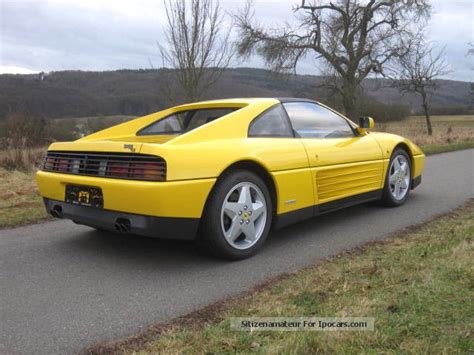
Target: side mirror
366	122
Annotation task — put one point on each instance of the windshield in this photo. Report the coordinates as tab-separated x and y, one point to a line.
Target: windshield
185	121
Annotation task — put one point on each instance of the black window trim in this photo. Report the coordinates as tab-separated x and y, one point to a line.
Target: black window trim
139	132
348	121
293	135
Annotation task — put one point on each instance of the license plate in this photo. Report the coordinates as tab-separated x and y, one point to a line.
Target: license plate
84	196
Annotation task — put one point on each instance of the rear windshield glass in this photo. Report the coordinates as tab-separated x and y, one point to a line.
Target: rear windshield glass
185	121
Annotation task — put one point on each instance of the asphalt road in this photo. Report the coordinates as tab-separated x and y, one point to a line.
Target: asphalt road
64	287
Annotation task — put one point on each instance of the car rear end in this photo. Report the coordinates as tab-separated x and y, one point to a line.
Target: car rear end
112	186
149	176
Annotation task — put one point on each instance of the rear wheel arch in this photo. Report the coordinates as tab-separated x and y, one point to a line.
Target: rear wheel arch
260	171
211	237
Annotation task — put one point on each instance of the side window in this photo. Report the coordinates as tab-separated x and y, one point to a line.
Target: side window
311	120
185	121
272	123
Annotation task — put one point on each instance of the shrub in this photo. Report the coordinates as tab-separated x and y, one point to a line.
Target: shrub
26	159
22	132
24	129
382	112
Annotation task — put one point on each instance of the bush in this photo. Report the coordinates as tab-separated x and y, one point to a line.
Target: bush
449	110
63	130
22	132
24	129
367	106
26	159
382	112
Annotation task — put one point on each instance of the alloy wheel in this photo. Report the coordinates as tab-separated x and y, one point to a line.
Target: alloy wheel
399	177
243	215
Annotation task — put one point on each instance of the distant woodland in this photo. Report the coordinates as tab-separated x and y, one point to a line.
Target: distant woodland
137	92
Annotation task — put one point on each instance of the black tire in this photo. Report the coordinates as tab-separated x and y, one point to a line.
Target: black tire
387	197
211	238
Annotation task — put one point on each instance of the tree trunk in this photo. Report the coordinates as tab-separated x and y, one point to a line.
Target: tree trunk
349	99
427	114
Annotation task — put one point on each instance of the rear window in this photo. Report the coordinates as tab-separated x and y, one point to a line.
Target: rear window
185	121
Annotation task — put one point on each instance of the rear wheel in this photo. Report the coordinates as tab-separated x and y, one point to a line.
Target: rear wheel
398	179
238	216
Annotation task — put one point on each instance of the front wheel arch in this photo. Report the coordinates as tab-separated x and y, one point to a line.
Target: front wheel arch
407	149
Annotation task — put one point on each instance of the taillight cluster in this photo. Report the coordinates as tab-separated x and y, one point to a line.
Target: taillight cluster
145	171
114	165
63	165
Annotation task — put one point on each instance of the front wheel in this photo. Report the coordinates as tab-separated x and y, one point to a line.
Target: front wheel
398	179
238	216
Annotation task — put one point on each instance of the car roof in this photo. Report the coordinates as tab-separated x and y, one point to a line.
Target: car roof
250	100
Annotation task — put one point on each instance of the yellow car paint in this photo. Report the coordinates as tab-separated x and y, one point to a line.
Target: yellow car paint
164	199
305	172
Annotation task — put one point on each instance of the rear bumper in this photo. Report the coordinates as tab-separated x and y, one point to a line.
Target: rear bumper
150	226
179	199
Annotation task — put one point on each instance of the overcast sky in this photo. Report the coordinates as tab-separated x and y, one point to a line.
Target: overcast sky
40	35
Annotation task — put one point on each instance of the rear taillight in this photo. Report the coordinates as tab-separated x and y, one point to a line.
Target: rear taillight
62	165
113	165
146	170
118	169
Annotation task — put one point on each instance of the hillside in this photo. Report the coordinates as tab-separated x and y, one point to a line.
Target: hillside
136	92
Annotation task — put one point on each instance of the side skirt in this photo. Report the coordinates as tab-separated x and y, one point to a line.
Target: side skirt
292	217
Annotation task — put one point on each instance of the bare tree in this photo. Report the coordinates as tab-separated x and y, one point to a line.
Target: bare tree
417	72
354	38
198	45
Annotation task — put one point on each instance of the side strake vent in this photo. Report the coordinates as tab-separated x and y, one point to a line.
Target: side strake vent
110	165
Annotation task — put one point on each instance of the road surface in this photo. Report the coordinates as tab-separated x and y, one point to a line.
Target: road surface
65	287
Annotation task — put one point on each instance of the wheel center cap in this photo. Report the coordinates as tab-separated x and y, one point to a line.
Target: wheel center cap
246	215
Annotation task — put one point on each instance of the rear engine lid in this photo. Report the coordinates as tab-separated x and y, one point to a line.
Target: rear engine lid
98	146
156	139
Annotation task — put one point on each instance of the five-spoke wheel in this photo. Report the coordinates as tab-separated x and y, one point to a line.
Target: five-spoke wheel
238	216
398	180
399	177
243	215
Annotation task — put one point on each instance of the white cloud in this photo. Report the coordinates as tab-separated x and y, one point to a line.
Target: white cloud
114	34
16	70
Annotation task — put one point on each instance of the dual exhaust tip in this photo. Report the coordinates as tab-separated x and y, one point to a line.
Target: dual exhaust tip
122	225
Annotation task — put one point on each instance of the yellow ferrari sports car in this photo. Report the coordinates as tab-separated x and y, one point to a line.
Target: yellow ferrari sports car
224	172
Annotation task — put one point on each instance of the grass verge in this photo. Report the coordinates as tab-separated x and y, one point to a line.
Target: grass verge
20	202
443	148
449	132
418	285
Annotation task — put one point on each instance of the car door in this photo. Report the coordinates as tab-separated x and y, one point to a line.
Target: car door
343	163
271	139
